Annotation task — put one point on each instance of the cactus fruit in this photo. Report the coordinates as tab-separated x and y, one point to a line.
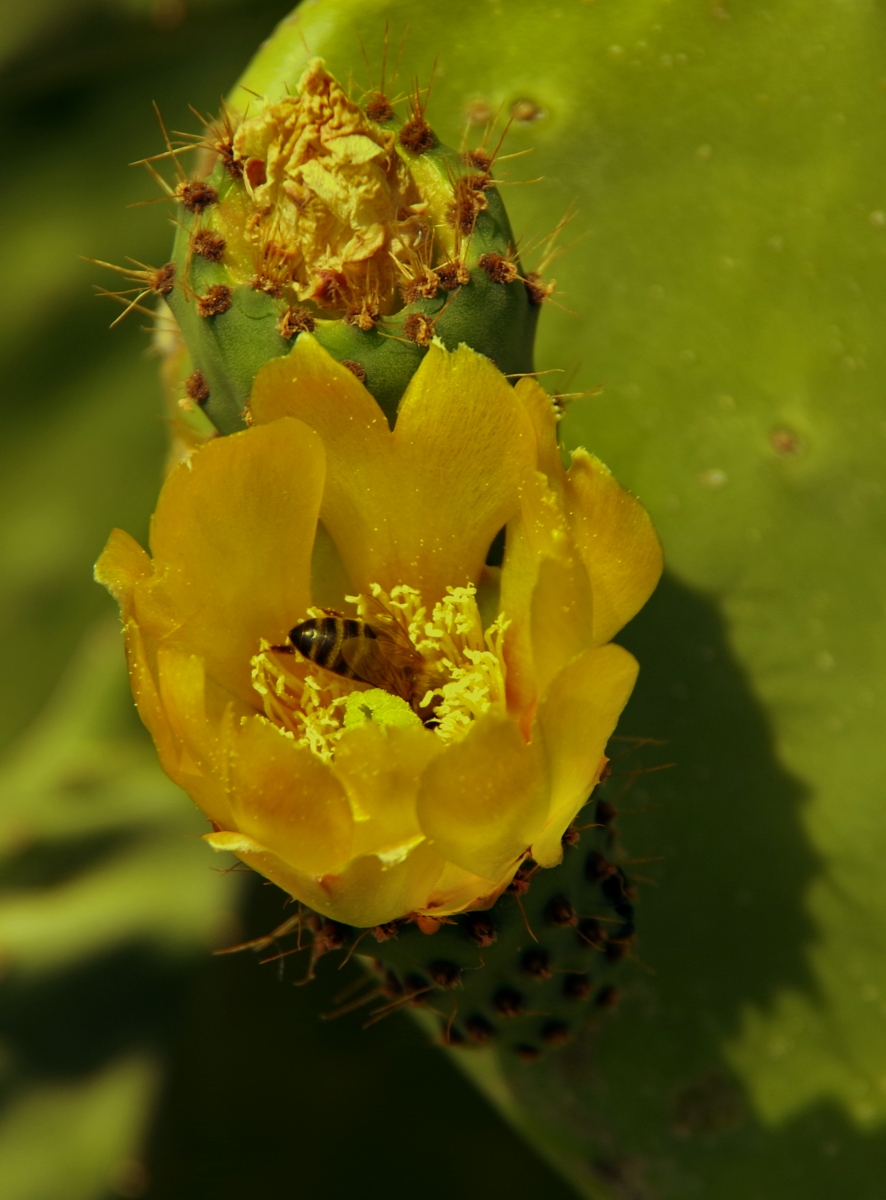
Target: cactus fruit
355	224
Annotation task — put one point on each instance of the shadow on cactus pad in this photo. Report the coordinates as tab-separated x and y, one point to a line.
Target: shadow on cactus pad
649	1106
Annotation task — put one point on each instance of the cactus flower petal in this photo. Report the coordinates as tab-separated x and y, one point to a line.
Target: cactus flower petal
461	465
478	725
596	684
616	541
483	802
228	532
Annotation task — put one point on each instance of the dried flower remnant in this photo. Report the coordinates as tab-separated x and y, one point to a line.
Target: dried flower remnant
325	184
356	215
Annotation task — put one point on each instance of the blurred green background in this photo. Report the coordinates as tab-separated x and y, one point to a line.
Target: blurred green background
724	283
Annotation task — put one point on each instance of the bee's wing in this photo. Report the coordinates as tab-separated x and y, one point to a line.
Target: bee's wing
383	662
387	627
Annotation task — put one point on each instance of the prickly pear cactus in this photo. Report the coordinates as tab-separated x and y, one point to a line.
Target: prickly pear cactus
727	167
317	205
353	222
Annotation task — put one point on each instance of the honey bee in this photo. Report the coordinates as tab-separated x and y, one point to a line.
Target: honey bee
381	656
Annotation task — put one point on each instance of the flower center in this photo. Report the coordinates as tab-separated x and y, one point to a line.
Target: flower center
439	668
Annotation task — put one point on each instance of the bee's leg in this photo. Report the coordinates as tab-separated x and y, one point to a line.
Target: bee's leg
282	649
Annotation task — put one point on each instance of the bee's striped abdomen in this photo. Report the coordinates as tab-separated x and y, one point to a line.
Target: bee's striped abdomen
321	640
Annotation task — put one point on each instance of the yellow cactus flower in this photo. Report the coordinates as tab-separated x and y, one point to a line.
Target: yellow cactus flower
417	787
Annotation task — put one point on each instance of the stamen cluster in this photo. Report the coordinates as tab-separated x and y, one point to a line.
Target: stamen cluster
465	669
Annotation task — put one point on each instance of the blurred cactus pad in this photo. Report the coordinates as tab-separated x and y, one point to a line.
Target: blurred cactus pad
725	284
720	291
